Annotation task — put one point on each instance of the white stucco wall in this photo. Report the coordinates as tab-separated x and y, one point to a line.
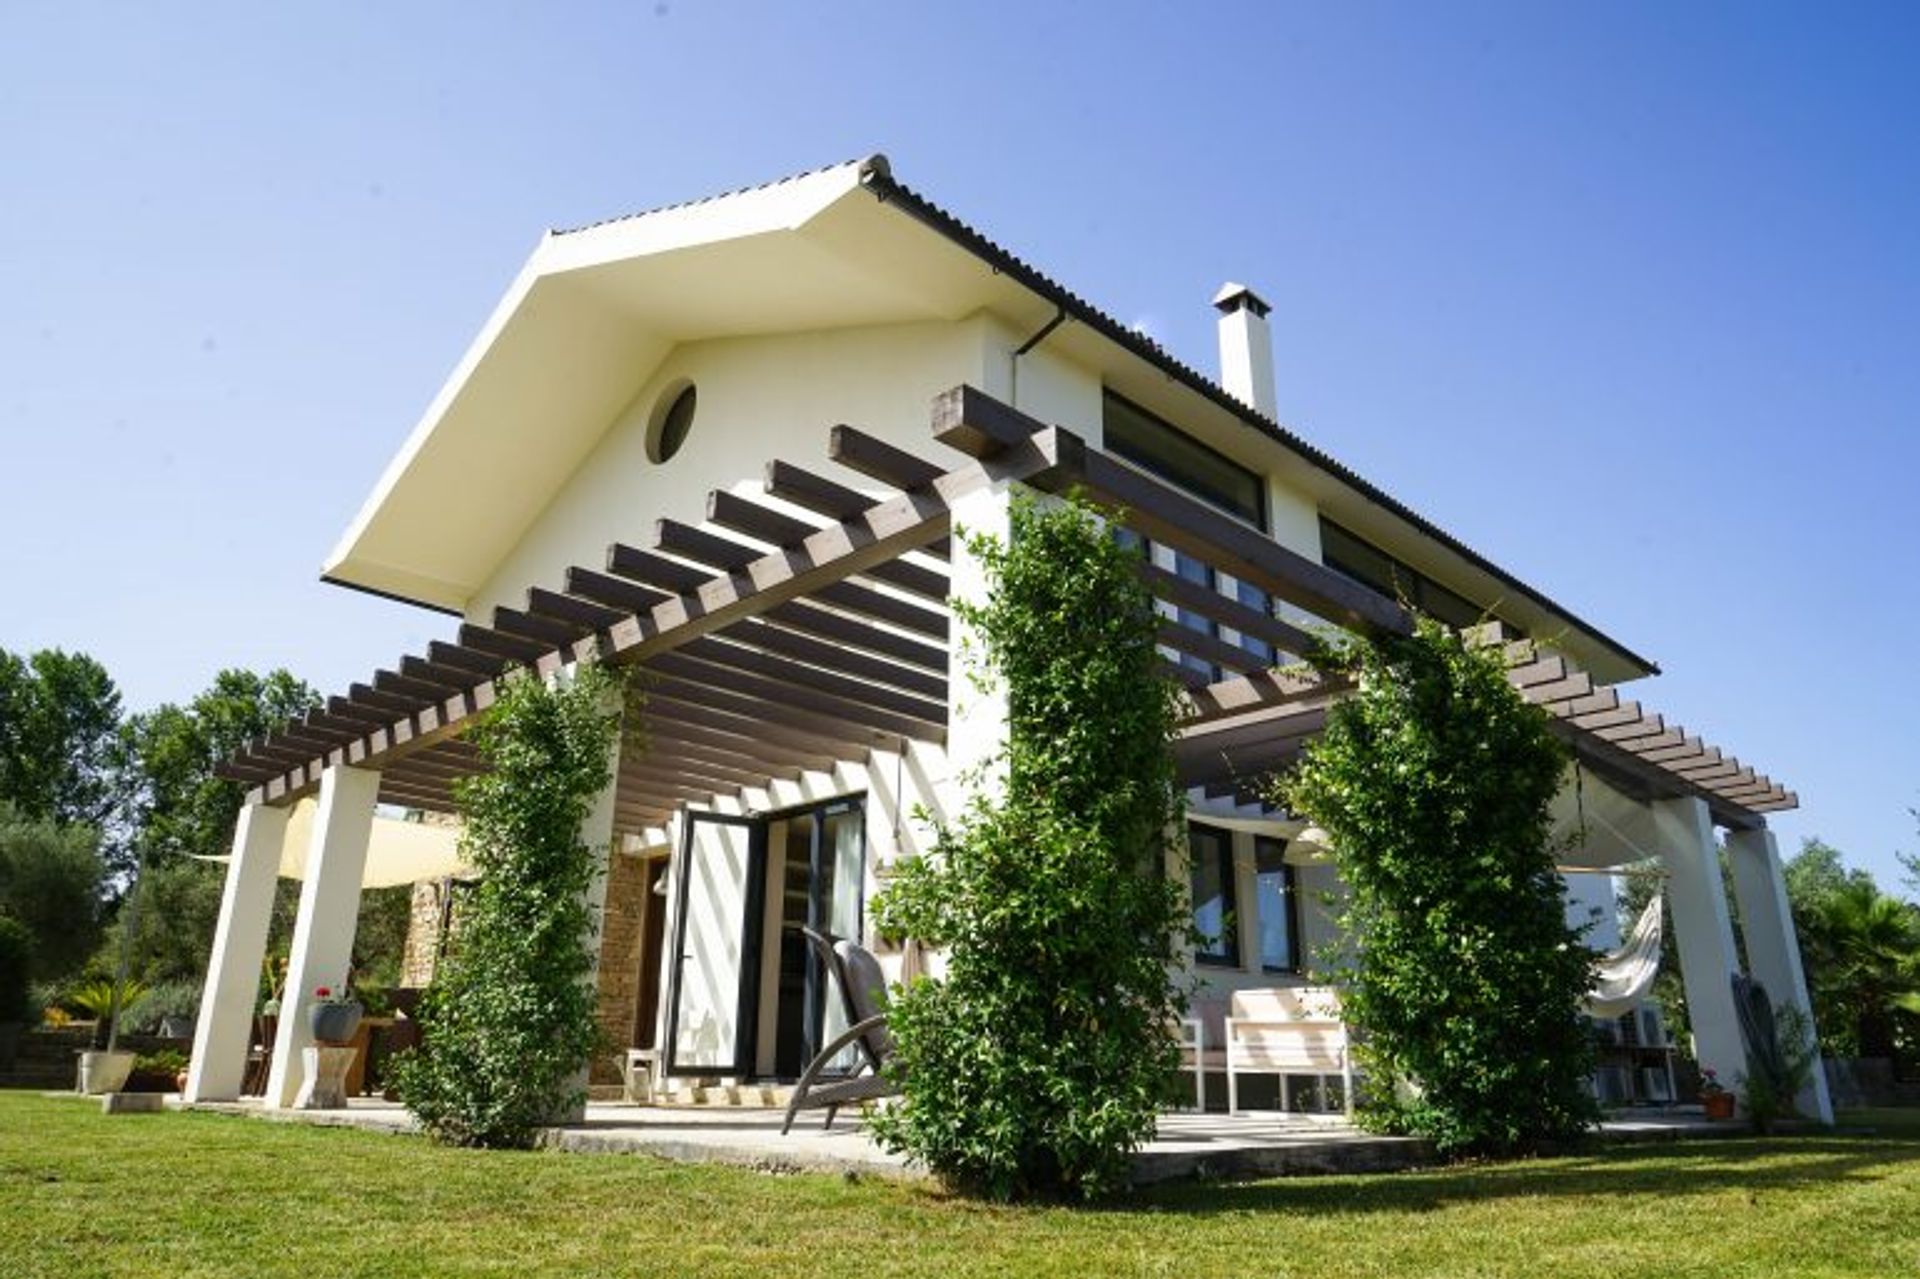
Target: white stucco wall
760	398
777	396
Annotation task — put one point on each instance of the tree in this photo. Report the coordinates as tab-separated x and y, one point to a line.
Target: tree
1036	1064
1465	982
508	1023
1816	874
59	724
50	880
178	806
1862	952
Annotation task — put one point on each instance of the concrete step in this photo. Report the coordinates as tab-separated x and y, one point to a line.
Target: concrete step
736	1096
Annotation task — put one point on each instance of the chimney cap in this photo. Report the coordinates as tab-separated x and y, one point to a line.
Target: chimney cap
1232	297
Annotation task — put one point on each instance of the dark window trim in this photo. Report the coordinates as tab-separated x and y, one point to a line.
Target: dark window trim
1230	892
1291	877
1410	585
1210	498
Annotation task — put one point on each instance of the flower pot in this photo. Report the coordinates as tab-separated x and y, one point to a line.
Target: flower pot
1718	1105
333	1023
102	1071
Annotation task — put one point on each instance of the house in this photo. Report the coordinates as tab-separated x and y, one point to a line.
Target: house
698	439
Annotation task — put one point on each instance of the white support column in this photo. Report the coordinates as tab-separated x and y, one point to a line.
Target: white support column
329	910
1773	946
1702	933
977	719
224	1031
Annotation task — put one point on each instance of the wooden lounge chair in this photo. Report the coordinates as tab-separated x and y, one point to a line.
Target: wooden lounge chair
863	988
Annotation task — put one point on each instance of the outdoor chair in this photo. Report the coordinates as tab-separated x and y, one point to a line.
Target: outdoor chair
863	988
1288	1031
253	1082
1201	1035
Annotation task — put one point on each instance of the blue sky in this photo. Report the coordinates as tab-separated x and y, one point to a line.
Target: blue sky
1628	297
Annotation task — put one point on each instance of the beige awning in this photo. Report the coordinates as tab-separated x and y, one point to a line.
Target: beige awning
398	851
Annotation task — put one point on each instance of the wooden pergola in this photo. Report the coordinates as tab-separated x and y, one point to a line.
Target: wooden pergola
809	627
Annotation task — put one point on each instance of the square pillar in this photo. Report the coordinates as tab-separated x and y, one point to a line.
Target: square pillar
329	911
1702	933
1773	946
976	717
224	1031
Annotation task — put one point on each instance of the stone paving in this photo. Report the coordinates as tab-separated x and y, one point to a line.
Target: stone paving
1187	1145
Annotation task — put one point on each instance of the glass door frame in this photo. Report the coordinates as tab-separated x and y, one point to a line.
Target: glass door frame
819	986
753	912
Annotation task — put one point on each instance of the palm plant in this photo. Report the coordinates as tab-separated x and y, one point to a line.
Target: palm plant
1865	949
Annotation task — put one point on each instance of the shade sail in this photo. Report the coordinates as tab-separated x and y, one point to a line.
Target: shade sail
398	851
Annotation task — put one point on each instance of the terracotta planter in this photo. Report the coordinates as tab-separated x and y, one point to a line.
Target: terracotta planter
1718	1106
333	1023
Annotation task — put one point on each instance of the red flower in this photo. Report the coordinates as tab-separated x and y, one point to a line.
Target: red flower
322	993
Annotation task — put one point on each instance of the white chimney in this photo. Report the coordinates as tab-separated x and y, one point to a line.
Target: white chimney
1246	348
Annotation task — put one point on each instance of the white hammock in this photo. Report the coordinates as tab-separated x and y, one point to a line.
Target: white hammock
1624	976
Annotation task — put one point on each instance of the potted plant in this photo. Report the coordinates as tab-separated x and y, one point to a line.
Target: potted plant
333	1016
105	1066
1714	1098
156	1072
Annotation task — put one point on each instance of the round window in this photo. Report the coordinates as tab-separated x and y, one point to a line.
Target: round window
672	419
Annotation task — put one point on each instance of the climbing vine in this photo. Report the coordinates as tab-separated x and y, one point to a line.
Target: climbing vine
1463	980
508	1021
1035	1066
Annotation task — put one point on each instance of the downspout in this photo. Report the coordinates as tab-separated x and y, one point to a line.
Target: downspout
876	174
1013	361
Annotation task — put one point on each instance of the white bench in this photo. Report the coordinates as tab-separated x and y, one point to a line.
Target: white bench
1288	1030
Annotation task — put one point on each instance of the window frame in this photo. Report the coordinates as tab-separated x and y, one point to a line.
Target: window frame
1204	492
1290	878
1405	582
1230	897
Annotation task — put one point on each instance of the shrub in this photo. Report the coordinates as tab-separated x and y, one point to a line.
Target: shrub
508	1023
1464	979
1035	1066
177	999
50	882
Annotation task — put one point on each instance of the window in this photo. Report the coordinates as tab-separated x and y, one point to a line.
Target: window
1211	885
1258	600
1169	454
1198	572
672	419
1276	903
1370	566
1178	458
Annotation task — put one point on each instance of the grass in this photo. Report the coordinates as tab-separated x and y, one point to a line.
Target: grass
83	1195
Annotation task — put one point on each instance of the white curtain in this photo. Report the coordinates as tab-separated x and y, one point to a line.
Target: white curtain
1624	976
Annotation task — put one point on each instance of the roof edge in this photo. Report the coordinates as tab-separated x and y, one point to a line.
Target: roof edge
876	175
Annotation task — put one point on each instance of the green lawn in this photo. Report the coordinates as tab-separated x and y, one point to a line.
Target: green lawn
82	1194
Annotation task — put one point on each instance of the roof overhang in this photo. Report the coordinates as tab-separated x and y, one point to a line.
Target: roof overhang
594	311
587	322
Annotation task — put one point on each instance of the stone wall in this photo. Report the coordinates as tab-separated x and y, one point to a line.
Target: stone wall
621	928
423	932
